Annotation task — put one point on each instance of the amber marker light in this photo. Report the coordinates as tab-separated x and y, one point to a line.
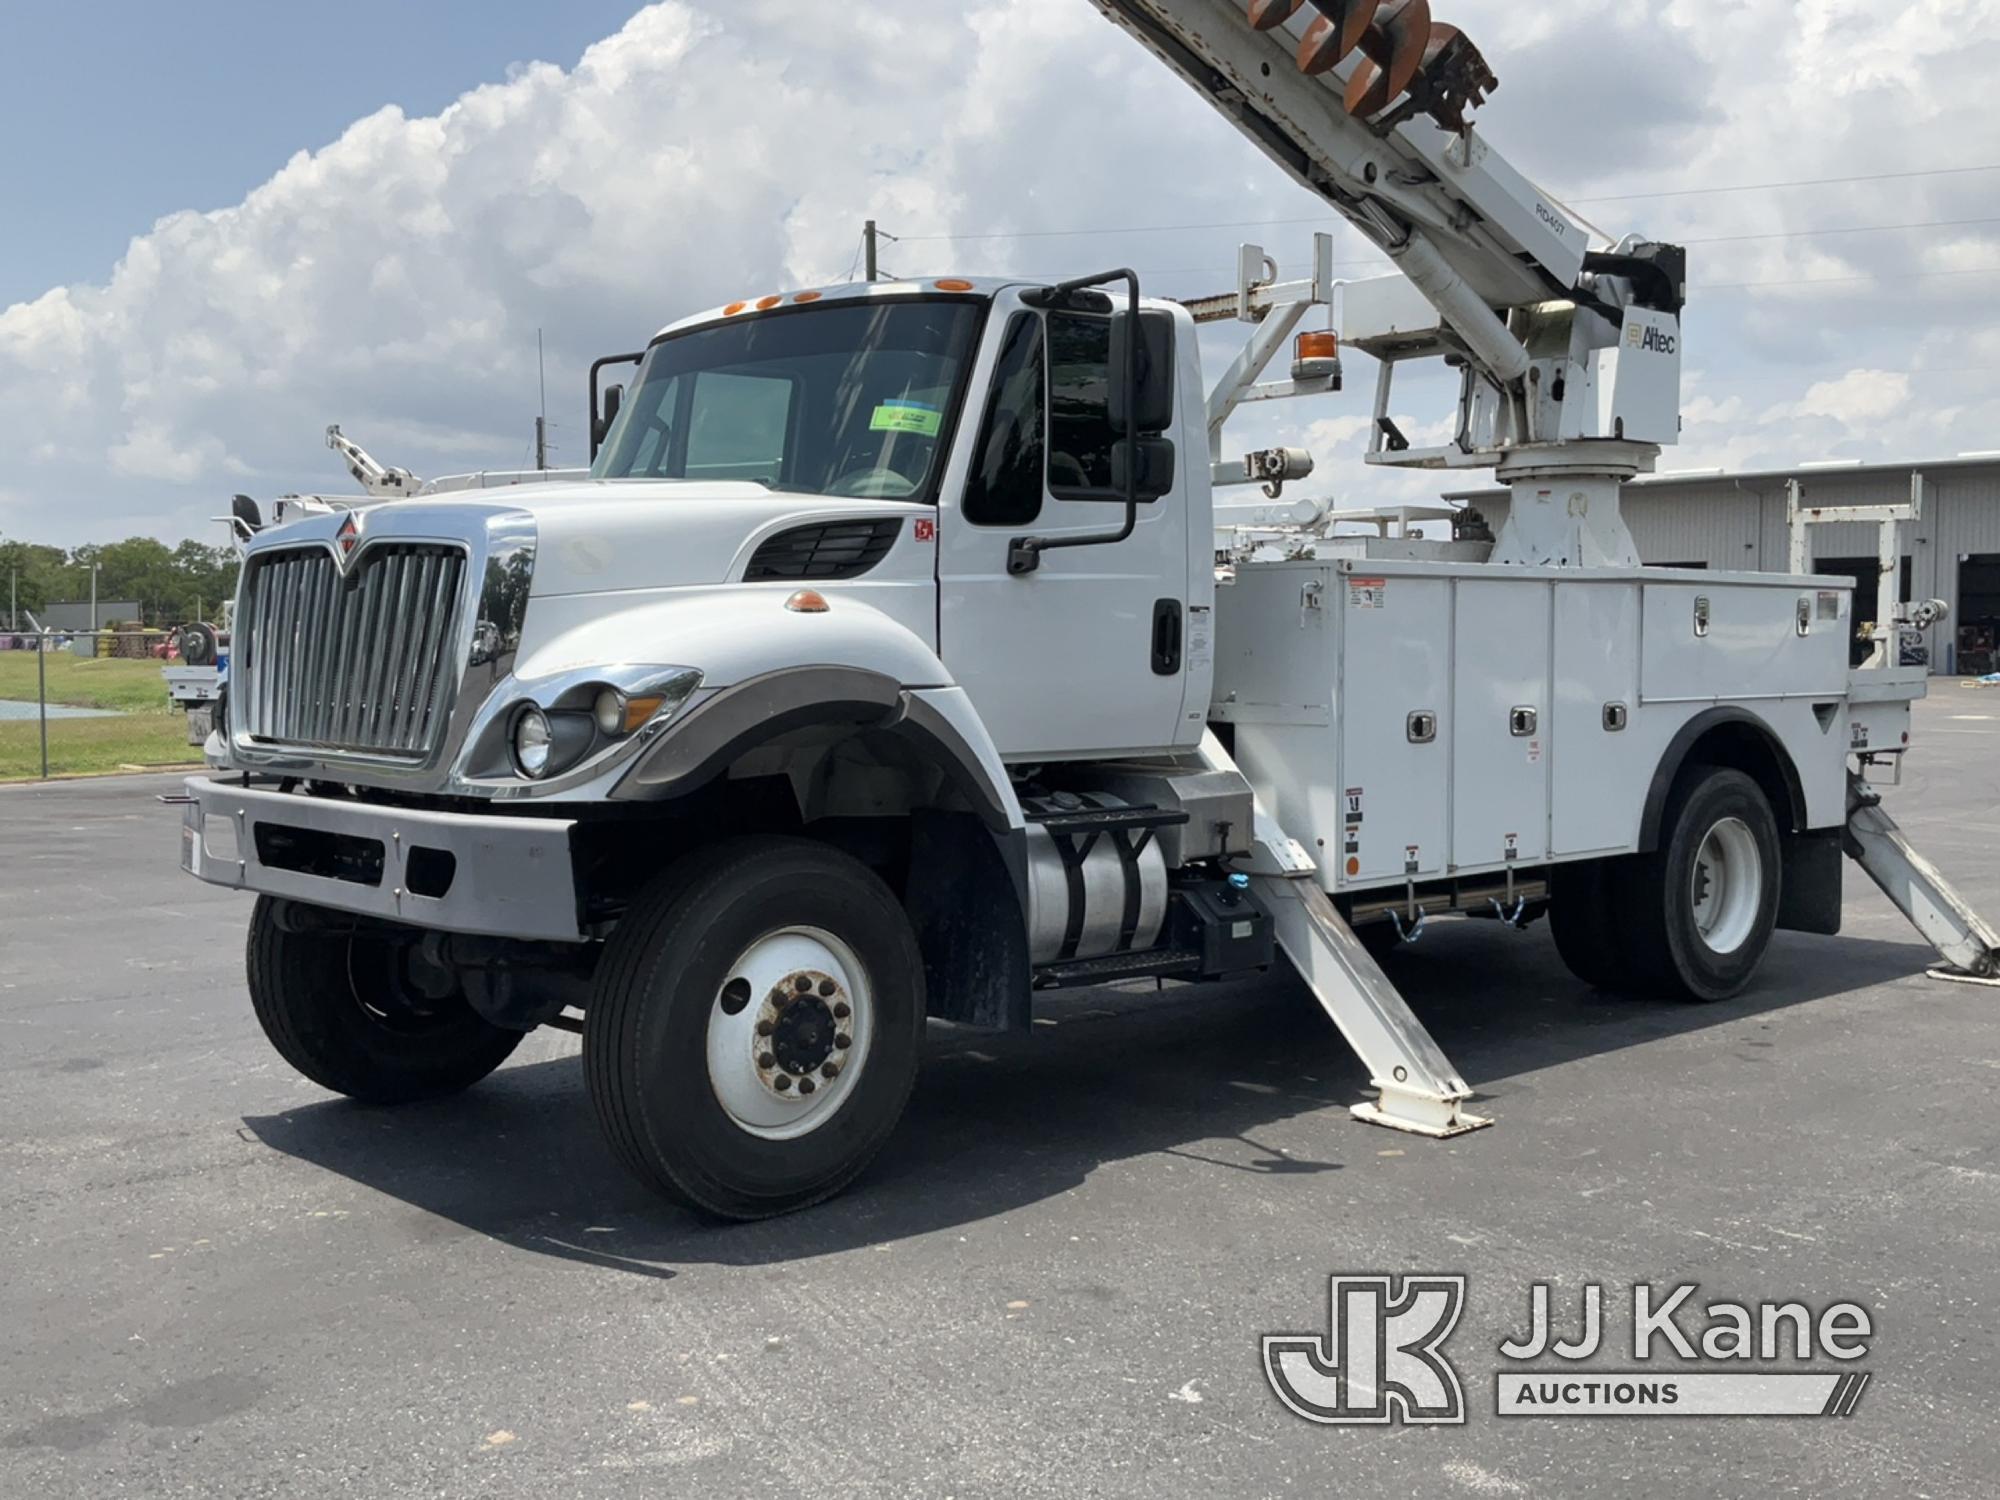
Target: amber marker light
807	602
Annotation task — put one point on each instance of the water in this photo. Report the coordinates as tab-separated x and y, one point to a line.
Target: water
13	709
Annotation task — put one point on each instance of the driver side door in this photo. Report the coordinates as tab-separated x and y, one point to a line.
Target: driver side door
1086	656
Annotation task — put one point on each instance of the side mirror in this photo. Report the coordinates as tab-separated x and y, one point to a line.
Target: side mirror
1155	459
600	428
244	509
600	419
1155	396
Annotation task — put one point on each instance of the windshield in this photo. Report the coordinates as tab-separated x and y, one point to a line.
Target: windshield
849	398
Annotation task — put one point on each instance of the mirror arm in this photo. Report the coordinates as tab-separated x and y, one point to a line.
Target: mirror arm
1024	553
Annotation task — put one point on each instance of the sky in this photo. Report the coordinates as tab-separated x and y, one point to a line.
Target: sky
231	224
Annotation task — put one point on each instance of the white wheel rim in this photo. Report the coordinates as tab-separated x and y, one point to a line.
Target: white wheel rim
1726	886
776	1029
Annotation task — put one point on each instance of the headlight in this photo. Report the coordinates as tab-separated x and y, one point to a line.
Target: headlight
609	711
532	742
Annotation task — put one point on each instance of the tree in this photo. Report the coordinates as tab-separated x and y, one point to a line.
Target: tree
170	583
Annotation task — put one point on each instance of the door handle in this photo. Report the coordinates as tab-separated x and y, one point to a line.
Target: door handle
1166	637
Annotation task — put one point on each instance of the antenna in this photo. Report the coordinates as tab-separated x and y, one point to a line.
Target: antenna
542	421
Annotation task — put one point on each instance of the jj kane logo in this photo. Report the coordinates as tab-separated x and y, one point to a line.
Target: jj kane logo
1382	1360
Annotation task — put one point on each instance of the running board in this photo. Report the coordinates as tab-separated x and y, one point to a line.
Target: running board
1970	948
1417	1088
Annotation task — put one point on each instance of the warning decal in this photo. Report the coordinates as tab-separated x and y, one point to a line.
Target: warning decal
1367	593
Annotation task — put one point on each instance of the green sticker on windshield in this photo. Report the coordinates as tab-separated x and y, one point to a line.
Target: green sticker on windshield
906	416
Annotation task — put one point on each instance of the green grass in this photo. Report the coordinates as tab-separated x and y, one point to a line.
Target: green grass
149	731
85	747
130	687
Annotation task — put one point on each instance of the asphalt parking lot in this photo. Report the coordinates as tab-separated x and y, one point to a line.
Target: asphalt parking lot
220	1281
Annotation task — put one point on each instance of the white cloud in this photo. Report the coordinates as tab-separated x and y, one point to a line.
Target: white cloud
393	280
1857	396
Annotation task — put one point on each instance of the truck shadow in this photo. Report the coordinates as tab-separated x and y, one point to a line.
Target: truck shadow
1209	1075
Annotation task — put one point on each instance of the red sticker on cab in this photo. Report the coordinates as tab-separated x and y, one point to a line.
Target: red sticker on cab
926	530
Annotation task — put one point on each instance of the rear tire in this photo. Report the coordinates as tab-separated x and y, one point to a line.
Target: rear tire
1583	919
1695	915
339	1008
719	1078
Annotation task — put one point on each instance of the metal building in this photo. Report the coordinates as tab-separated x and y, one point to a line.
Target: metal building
1715	519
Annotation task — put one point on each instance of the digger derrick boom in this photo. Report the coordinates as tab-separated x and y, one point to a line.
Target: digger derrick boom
1418	168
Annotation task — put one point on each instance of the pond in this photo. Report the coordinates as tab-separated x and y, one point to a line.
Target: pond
14	709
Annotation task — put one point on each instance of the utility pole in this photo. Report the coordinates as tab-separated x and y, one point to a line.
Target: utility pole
868	259
93	600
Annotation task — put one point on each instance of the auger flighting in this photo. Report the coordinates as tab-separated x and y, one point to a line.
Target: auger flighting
1403	52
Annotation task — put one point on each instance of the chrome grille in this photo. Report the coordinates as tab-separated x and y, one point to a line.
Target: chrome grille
364	662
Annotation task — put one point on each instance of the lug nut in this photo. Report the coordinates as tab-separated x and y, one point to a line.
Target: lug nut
766	1060
841	1012
843	1041
830	1071
827	987
802	982
765	1028
783	1082
806	1085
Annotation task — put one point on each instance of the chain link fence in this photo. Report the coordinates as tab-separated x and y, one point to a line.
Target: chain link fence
78	702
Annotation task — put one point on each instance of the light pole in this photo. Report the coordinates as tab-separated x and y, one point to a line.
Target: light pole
93	601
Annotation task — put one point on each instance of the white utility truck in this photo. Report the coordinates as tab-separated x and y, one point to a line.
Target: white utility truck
896	659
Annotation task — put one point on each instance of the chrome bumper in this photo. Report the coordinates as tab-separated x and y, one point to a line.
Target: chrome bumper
505	877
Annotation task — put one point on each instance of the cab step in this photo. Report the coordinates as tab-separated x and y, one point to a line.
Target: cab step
1154	962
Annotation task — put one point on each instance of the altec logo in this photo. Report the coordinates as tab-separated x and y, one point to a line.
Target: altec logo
1379	1361
1652	340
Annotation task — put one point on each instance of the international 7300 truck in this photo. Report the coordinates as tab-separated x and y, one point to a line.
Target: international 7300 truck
898	658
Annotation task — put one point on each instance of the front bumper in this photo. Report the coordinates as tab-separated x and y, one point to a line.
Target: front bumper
451	872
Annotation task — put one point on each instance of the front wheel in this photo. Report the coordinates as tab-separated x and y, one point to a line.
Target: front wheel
1697	912
755	1027
340	1007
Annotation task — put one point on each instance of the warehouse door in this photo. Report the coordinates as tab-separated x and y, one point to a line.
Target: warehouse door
1976	629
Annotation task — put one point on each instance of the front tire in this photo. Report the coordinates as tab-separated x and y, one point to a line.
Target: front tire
340	1009
1697	913
755	1027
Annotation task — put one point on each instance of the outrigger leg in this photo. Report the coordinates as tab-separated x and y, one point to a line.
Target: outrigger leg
1970	948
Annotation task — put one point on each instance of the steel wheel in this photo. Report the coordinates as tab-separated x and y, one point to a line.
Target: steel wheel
1726	885
789	1032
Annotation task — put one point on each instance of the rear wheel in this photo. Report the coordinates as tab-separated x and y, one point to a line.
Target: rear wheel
340	1008
1583	919
755	1027
1696	914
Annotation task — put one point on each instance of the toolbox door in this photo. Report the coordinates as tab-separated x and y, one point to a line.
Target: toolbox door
1500	722
1394	727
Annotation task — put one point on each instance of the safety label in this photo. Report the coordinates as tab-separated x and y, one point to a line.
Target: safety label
1367	593
1201	635
906	416
1354	804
